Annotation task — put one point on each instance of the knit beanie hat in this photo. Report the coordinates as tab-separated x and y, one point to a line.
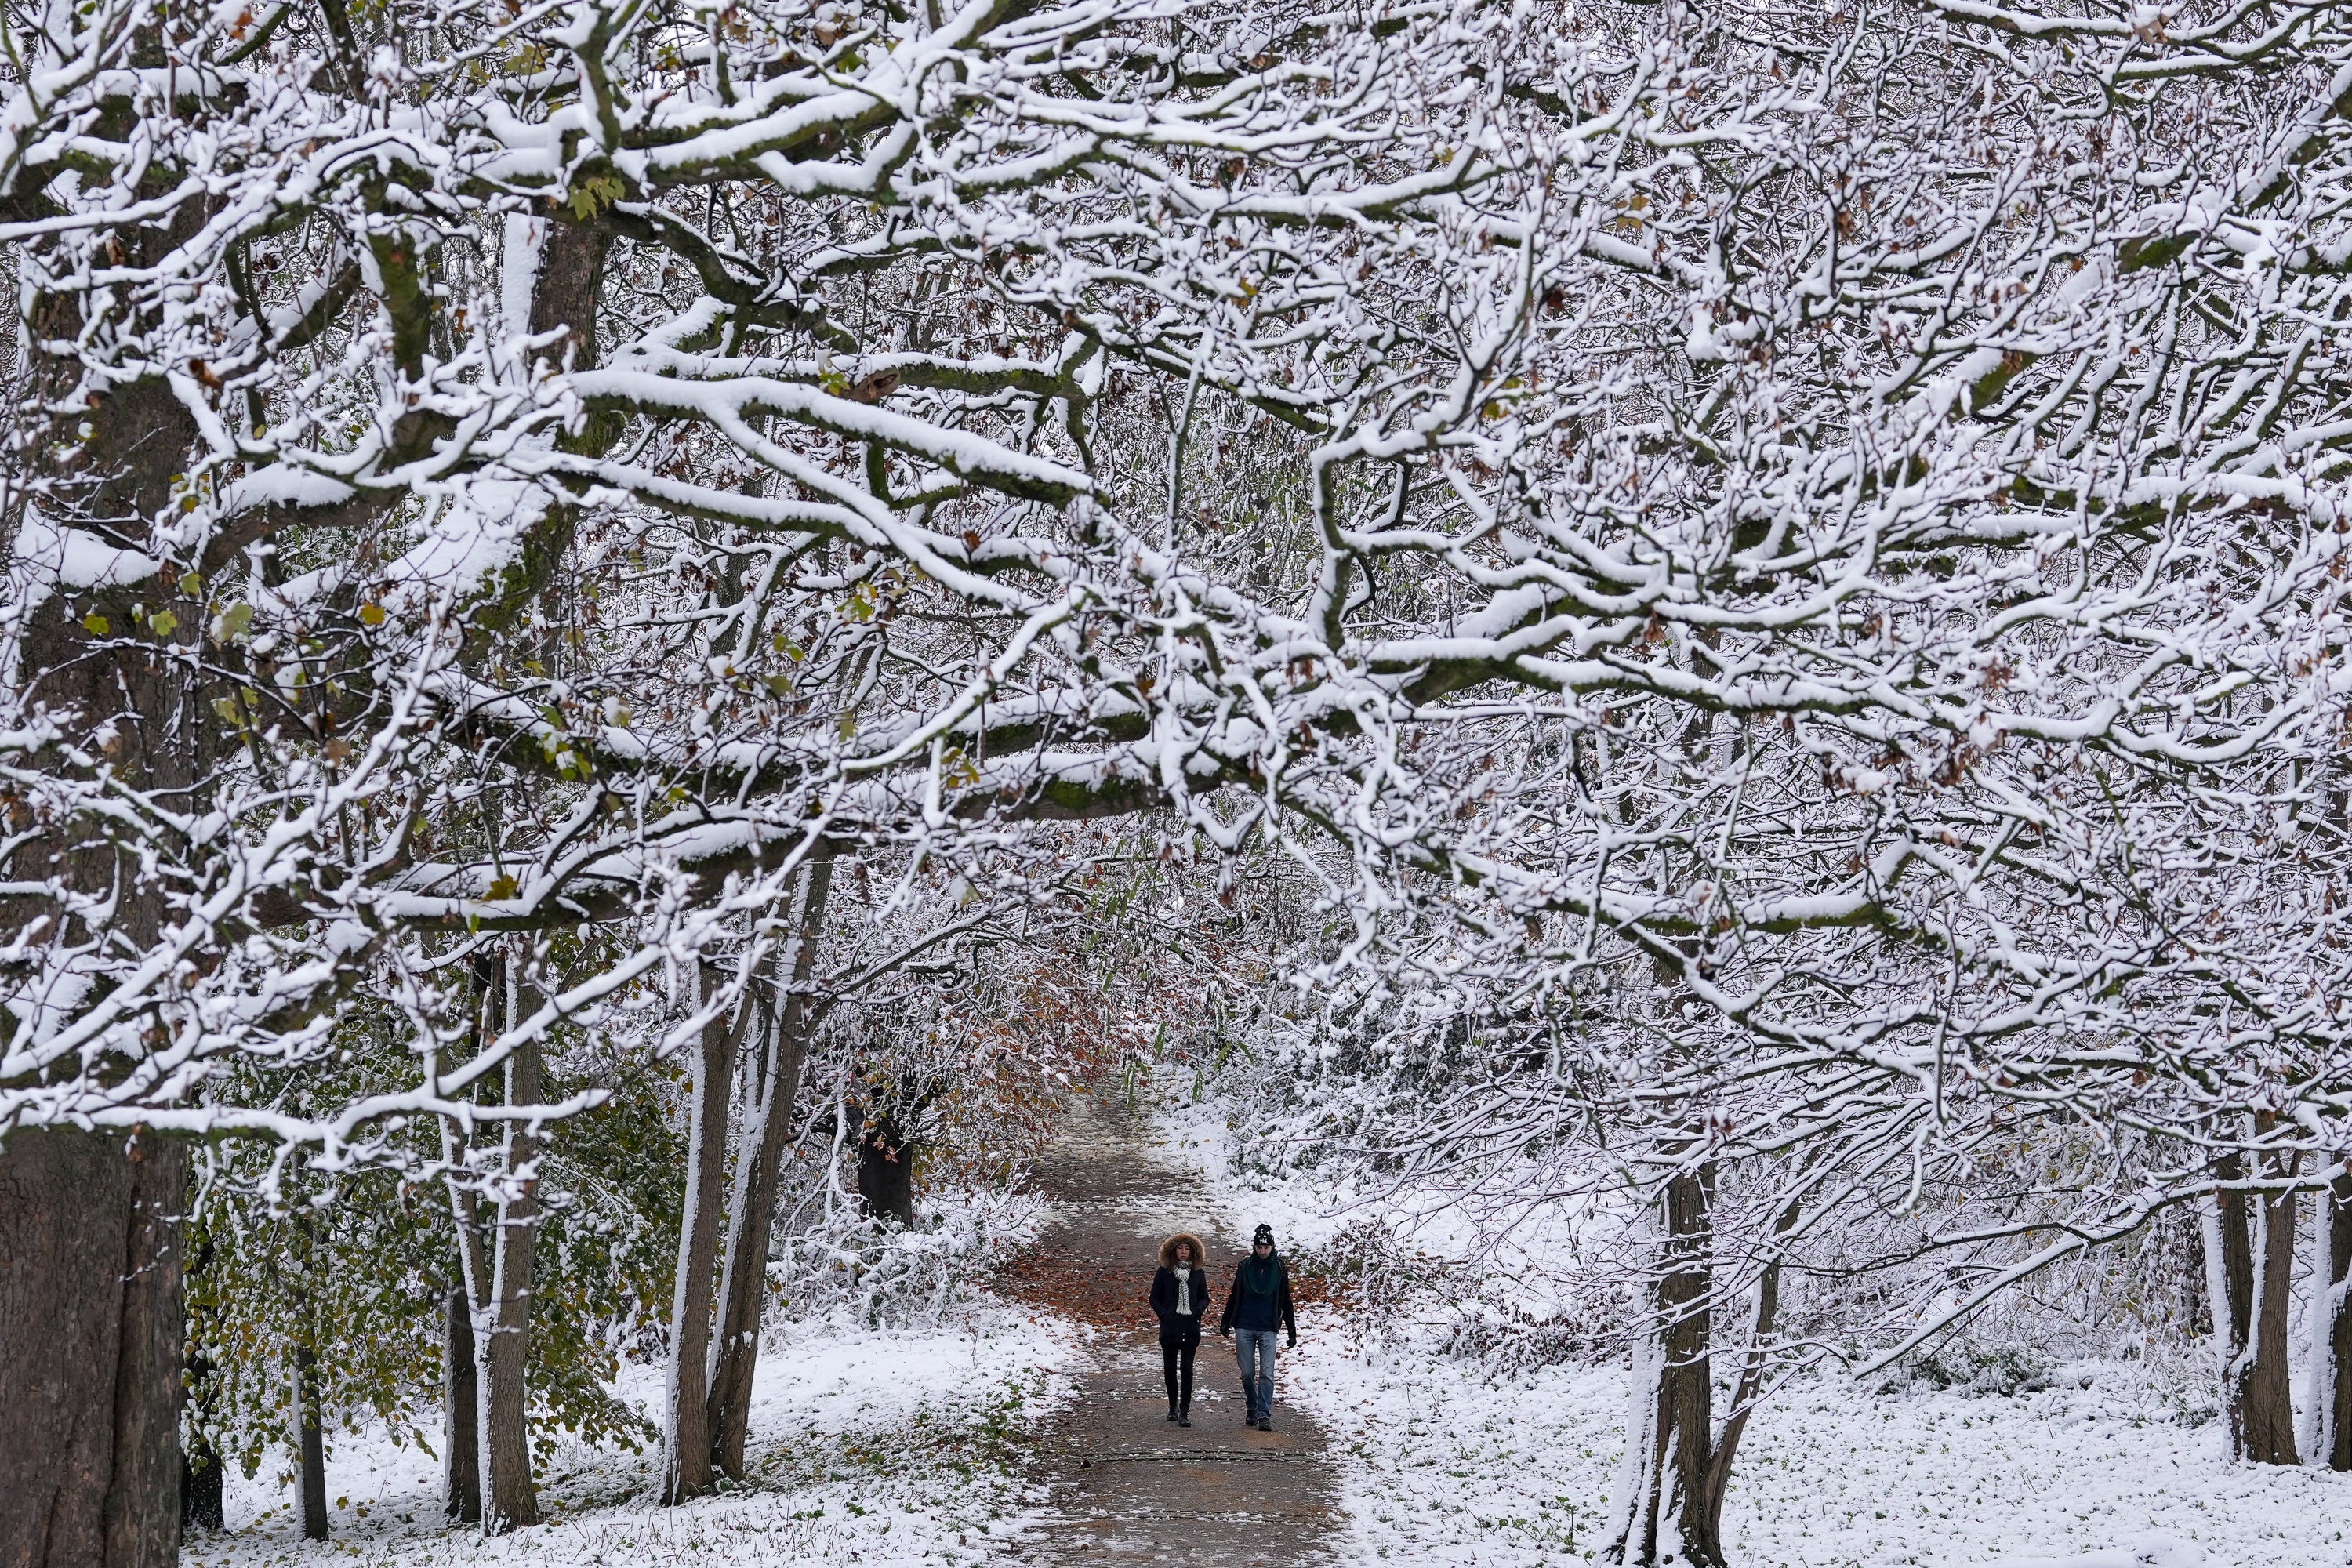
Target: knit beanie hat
1264	1234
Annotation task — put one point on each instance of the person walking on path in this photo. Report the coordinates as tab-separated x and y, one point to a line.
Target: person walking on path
1258	1304
1180	1299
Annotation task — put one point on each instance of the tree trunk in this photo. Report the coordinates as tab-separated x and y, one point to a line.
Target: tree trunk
885	1170
1663	1512
502	1349
143	1505
462	1345
2336	1438
2249	1314
686	1429
557	285
751	1216
461	1453
311	1445
1707	1507
90	1317
2230	1258
202	1499
2270	1400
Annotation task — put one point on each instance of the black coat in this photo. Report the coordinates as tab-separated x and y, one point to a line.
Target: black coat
1281	1299
1174	1326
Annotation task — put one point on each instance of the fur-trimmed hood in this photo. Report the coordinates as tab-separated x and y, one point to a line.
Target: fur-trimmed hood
1168	1250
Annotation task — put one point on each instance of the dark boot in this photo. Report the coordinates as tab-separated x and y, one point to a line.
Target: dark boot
1172	1407
1184	1413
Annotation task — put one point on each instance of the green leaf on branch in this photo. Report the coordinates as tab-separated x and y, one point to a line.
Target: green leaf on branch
594	193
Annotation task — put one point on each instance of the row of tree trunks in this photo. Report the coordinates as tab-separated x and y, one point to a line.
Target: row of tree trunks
90	1317
92	1332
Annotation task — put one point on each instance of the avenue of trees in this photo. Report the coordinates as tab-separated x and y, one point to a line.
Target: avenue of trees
617	607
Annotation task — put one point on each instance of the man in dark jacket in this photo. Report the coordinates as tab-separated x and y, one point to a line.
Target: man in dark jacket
1255	1308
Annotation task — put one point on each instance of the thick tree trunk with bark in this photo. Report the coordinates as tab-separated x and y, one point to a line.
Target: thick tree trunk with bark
2270	1399
752	1215
90	1317
143	1505
2255	1238
1669	1507
92	1328
685	1430
1664	1512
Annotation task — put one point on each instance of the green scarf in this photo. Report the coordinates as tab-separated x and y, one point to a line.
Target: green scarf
1258	1274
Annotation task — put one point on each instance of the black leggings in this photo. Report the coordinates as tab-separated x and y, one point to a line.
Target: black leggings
1176	1360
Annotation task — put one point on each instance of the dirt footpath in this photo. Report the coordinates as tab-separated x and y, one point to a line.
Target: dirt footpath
1133	1486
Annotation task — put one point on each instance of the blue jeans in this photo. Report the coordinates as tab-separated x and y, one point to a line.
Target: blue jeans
1257	1348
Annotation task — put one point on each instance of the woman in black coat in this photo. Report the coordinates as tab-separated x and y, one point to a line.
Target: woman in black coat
1180	1299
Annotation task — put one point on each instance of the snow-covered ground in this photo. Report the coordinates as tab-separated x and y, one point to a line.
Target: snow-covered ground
1444	1463
902	1447
868	1447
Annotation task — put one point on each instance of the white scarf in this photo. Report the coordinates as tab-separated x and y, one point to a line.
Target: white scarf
1185	1290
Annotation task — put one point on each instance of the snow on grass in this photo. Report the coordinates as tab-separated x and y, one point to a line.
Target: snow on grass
1441	1465
880	1447
1443	1461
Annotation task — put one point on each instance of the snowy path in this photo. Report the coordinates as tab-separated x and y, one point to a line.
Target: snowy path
1129	1488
